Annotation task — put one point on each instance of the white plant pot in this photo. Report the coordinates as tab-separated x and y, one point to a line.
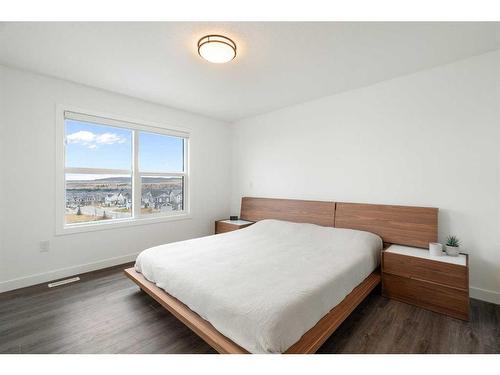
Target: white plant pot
435	249
452	250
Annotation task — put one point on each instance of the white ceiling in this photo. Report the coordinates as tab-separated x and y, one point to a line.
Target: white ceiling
278	64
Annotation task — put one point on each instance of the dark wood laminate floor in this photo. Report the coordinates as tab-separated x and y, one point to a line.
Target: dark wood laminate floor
106	313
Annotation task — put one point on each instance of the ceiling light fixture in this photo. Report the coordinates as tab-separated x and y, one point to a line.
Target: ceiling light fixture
217	49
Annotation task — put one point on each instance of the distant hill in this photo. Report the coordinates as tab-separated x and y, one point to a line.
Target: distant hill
122	180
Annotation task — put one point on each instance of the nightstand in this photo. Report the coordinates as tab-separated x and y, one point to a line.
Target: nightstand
223	226
440	284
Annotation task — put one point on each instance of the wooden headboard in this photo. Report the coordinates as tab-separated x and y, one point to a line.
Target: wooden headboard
313	212
402	225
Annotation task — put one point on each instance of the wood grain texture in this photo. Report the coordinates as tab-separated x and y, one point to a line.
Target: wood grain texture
431	284
187	316
298	211
222	227
386	326
105	313
395	224
402	225
392	223
436	297
316	336
308	343
452	275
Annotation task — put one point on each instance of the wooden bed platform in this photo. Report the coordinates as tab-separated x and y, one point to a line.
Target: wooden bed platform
404	225
309	342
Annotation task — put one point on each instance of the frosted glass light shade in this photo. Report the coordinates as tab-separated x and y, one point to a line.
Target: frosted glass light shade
217	49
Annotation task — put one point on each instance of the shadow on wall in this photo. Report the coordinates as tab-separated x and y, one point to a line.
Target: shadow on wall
451	222
476	243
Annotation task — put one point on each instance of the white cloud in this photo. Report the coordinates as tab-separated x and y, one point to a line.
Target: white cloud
92	140
83	137
109	138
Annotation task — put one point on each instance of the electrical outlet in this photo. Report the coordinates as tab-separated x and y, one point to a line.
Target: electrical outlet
44	246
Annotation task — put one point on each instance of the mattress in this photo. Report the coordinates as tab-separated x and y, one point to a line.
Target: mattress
266	285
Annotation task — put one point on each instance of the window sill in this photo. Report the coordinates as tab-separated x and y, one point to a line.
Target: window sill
112	224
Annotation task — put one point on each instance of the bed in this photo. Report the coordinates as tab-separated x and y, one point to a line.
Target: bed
284	284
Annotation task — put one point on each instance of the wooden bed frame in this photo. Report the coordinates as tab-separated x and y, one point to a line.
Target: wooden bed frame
403	225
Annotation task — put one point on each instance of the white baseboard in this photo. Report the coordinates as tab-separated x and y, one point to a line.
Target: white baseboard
485	295
5	286
60	273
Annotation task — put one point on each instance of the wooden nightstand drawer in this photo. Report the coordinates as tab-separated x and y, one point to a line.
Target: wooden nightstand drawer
437	283
223	226
425	269
436	297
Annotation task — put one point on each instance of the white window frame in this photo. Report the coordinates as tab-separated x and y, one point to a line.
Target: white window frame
136	126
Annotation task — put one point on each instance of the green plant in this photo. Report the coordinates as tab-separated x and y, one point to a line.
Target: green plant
452	241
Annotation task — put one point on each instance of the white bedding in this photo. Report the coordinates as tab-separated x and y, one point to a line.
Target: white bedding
266	285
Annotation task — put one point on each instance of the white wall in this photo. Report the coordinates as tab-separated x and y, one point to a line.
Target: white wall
2	177
430	139
28	181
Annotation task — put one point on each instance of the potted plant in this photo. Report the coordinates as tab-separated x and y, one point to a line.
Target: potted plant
452	246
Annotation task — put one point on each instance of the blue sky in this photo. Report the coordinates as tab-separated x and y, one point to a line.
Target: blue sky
95	146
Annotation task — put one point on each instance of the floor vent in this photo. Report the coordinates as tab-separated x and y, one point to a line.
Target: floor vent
62	282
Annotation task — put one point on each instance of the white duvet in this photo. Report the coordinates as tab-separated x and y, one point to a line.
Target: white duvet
266	285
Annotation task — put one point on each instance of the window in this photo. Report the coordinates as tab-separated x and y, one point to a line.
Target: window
121	172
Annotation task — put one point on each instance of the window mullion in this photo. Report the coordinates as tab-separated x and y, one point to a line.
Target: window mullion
97	196
136	177
95	171
161	174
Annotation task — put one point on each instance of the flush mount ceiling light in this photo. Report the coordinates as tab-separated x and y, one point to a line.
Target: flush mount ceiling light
217	49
